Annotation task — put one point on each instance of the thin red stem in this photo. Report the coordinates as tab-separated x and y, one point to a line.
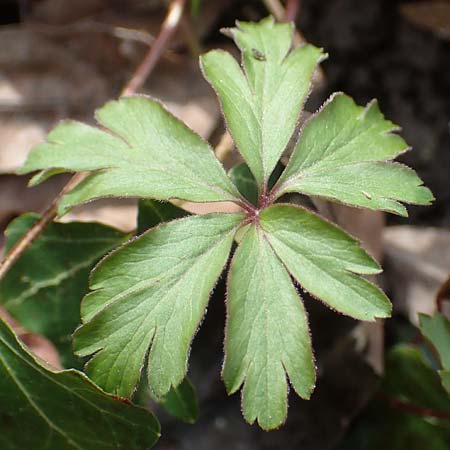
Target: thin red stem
247	206
292	10
443	295
168	28
30	236
413	409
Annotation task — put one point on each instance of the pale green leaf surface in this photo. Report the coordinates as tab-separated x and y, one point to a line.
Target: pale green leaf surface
262	103
342	155
437	330
267	333
325	260
44	288
152	294
146	153
45	410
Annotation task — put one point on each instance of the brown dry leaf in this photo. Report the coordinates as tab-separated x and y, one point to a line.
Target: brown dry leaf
432	16
39	345
17	137
418	261
65	11
45	77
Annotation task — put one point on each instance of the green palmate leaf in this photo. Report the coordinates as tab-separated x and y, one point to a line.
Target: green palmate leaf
341	155
152	294
437	330
147	153
44	288
267	333
325	260
42	409
152	213
244	180
262	103
181	401
149	296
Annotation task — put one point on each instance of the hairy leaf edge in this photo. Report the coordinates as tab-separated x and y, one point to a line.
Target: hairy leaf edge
282	186
89	318
361	275
229	32
234	389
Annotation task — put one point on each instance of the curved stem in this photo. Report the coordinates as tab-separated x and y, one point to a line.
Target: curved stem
168	28
30	236
292	10
443	294
246	206
413	409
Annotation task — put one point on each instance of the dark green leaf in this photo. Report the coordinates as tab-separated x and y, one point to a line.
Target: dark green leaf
244	180
437	330
410	378
45	410
44	288
181	402
151	213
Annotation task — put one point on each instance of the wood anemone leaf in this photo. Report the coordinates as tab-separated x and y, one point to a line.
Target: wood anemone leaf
262	102
325	260
267	333
145	152
343	153
152	294
149	296
43	409
45	297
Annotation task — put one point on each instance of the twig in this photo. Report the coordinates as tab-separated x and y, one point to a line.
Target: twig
142	72
443	294
29	237
224	147
168	28
276	8
89	26
292	10
190	37
413	409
